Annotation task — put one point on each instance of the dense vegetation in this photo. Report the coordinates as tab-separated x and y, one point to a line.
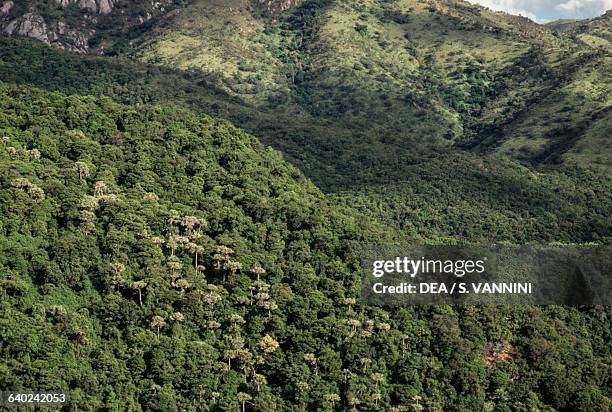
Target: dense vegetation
351	106
463	197
444	195
156	259
361	80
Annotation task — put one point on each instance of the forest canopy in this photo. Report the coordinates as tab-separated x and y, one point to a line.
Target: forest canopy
157	259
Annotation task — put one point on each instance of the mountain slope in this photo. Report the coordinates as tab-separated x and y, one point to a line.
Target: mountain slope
154	259
350	91
105	210
462	197
444	197
404	77
594	32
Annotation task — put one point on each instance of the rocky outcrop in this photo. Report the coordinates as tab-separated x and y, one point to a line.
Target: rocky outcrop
93	30
6	8
30	25
56	34
275	6
93	6
105	6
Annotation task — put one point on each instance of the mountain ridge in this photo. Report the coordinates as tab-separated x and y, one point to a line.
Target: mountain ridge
410	87
409	74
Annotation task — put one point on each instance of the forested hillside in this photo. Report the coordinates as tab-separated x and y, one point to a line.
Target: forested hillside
184	201
465	198
369	84
351	91
154	259
445	195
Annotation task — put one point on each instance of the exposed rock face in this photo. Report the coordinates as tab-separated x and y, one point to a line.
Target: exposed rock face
34	26
74	33
6	8
275	6
105	6
31	25
93	6
89	5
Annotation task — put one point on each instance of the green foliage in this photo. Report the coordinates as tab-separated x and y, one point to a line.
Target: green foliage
468	198
357	80
155	259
